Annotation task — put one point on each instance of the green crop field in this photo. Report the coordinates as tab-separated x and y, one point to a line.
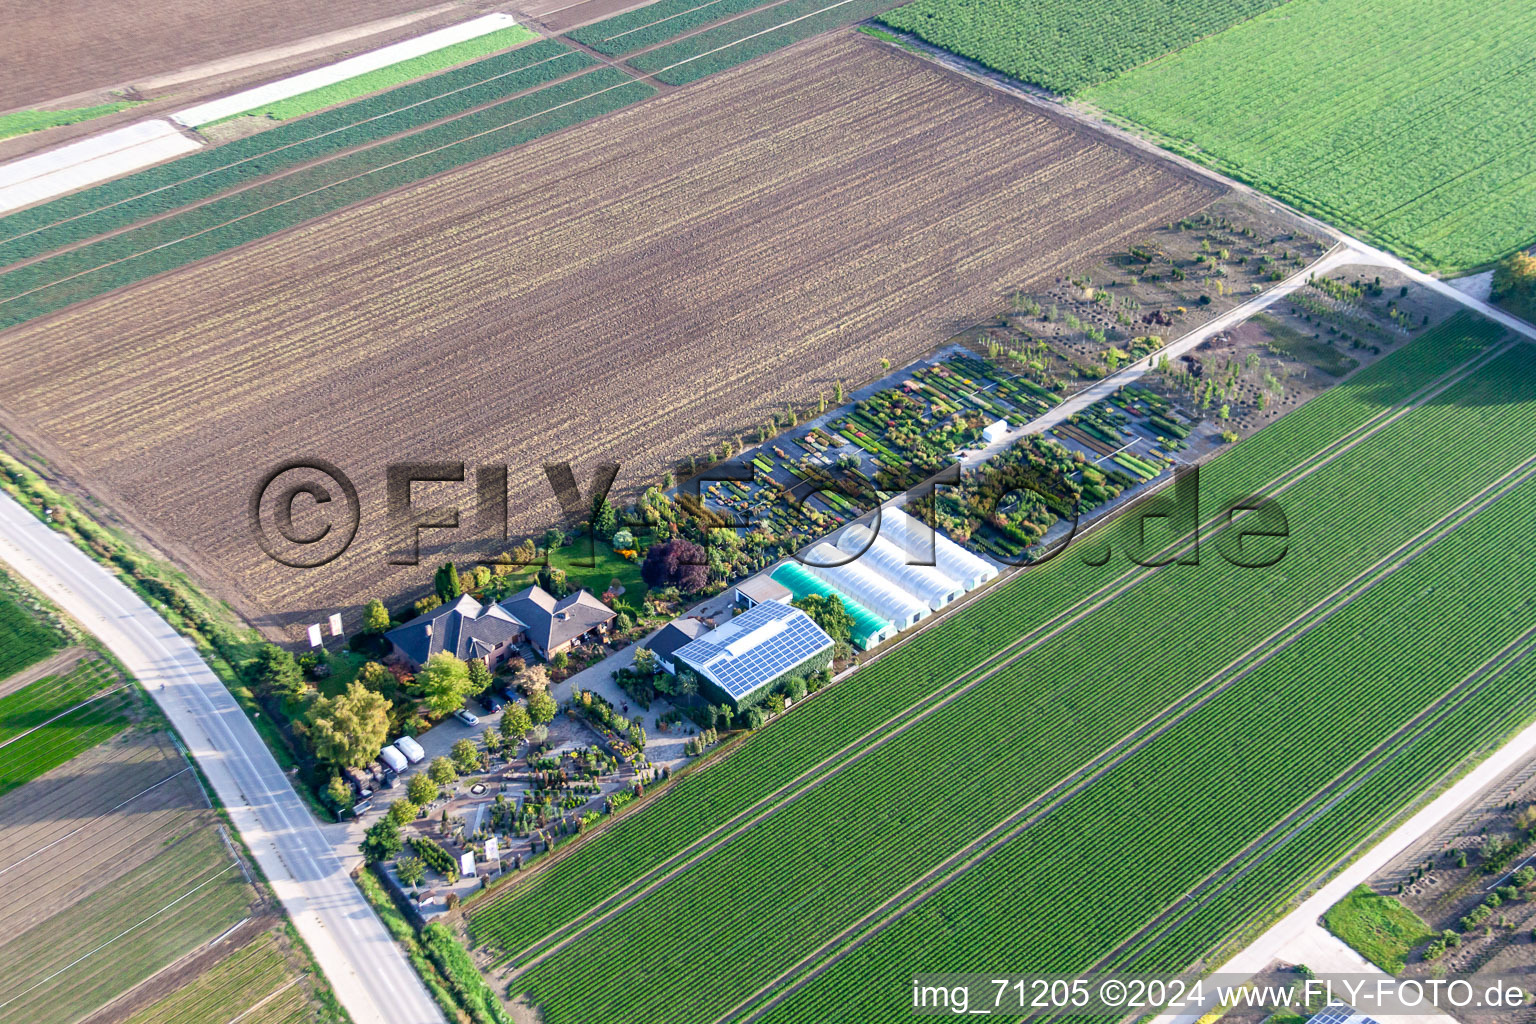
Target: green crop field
117	260
21	122
1050	708
46	723
205	174
1066	45
66	967
25	638
739	41
1403	121
658	22
247	985
47	698
394	74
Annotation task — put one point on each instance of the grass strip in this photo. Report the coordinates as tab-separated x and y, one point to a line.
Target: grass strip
393	74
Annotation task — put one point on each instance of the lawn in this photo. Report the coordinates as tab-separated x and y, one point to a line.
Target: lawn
1377	927
1406	122
394	74
25	638
595	574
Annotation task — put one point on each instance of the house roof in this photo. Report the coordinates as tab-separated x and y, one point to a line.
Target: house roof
755	648
763	588
674	635
463	627
551	622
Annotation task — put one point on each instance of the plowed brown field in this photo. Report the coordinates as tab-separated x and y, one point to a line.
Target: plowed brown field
49	52
634	289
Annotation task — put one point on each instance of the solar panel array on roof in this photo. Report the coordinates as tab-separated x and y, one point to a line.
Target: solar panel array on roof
755	648
1340	1013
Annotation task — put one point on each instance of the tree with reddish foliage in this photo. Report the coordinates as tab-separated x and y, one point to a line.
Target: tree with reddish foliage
678	562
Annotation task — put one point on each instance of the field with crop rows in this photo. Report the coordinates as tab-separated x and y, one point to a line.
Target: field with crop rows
48	722
1044	715
69	812
427	64
734	42
76	274
1410	129
202	175
25	637
658	22
823	252
254	984
112	869
1067	45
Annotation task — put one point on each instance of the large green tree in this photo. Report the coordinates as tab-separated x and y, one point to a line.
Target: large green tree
349	728
446	582
541	707
382	840
515	722
479	677
830	614
375	617
277	673
444	683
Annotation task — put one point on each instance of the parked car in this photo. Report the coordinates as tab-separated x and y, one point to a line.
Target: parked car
467	718
408	746
490	702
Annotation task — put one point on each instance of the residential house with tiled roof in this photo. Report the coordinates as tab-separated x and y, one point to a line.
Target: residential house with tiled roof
555	624
464	628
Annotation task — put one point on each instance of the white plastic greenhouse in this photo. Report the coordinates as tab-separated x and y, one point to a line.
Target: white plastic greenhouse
927	582
922	543
869	588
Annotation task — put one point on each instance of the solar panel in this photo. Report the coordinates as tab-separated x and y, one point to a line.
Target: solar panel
1340	1013
756	647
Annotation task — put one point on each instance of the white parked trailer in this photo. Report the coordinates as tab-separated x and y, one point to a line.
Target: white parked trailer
392	757
922	543
865	586
927	582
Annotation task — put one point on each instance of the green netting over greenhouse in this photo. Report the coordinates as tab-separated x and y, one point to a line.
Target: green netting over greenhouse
869	629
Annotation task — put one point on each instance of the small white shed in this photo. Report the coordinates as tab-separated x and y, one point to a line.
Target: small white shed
994	432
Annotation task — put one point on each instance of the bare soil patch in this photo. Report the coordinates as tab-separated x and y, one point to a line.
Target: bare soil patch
637	289
48	52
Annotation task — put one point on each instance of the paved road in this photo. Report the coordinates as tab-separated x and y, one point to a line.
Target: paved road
370	975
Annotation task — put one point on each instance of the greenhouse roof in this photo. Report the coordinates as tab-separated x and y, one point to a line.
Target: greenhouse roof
866	624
